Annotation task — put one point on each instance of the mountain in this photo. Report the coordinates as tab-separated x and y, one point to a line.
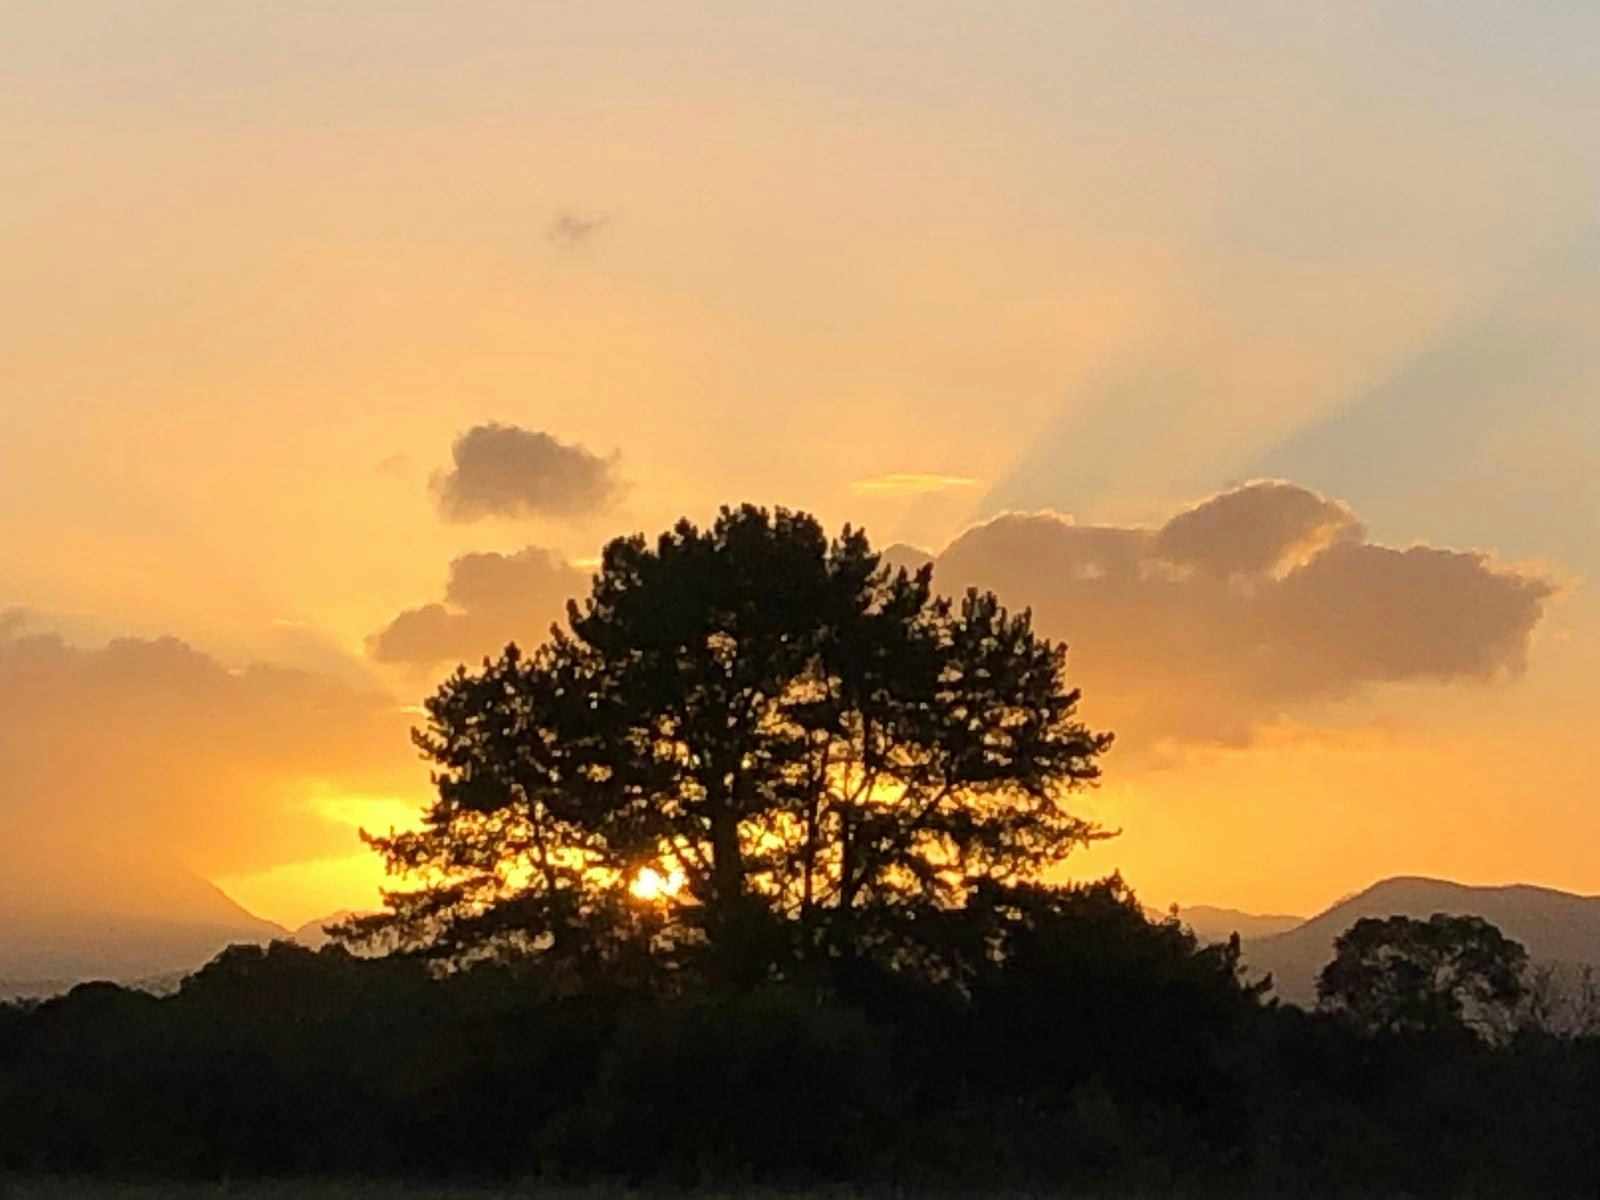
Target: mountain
130	923
313	934
1219	924
1556	928
149	926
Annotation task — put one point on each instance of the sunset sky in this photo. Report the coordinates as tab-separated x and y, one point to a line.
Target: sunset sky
335	340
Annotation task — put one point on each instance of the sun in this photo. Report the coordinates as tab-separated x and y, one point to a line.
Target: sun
651	885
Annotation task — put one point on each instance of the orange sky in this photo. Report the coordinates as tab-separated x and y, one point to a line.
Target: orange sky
907	266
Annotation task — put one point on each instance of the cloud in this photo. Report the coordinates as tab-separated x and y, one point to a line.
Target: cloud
489	600
909	483
396	466
1245	607
572	229
150	749
1261	527
11	621
508	471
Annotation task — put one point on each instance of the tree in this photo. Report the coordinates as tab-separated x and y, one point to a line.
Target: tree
1562	1001
1078	982
815	747
1401	975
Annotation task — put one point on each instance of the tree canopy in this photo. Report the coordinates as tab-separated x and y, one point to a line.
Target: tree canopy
814	749
1401	975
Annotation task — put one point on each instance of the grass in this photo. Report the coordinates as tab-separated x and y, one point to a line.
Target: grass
372	1189
298	1189
291	1189
375	1189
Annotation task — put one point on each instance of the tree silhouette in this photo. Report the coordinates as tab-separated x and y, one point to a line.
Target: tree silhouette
1401	975
820	749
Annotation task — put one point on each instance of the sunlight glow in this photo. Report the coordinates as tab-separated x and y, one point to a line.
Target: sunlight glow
375	812
909	483
651	885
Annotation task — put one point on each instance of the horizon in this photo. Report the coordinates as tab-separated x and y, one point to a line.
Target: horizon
337	348
1184	910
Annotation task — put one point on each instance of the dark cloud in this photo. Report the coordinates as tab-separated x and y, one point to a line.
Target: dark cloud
508	471
1246	606
574	229
489	600
151	749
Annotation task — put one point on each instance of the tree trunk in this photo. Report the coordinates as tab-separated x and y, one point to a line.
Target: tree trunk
727	863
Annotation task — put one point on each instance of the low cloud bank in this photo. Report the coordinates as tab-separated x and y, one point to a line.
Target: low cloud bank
489	600
1246	605
148	751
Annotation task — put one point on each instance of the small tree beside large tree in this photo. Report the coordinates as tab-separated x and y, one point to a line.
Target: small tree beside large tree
818	751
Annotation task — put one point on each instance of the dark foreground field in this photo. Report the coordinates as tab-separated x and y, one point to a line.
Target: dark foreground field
289	1189
72	1189
26	1189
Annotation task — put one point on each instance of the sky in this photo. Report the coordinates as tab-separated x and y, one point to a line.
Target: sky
335	340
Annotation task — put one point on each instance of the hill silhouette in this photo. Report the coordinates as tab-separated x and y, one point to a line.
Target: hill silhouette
171	923
140	924
1212	924
1557	928
314	934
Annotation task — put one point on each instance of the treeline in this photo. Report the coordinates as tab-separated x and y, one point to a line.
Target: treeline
737	877
1065	1040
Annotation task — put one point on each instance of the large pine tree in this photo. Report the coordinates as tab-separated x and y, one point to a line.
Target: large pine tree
814	749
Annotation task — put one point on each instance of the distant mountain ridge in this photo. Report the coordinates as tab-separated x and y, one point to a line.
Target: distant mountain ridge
1557	928
161	924
46	950
314	934
1213	924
